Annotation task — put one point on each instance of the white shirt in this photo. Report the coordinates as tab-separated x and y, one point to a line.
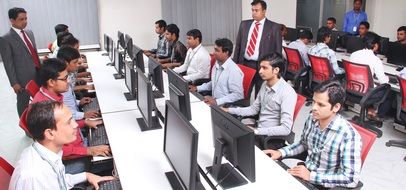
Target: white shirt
196	65
34	173
302	48
367	57
22	37
256	51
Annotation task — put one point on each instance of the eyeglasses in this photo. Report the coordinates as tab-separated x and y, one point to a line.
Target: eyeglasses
64	78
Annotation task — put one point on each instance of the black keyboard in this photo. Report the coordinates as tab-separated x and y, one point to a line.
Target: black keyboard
110	185
92	106
304	183
98	136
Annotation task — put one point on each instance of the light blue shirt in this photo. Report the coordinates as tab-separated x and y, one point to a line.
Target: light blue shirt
69	99
322	50
226	83
352	19
303	49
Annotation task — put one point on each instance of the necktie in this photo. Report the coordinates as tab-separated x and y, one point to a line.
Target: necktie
32	50
253	40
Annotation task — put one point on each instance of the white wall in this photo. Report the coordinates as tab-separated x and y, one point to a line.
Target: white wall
385	17
134	17
280	11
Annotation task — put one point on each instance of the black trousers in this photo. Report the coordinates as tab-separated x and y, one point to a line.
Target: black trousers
257	81
23	99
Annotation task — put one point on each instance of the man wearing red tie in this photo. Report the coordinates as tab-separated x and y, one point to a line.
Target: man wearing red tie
20	57
257	37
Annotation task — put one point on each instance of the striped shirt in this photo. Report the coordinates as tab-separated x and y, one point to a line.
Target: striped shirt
334	154
322	50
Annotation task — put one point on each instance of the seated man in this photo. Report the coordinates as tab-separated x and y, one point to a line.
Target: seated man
53	78
332	144
40	165
331	23
300	44
163	48
226	83
59	28
179	50
275	102
401	35
322	50
363	29
197	62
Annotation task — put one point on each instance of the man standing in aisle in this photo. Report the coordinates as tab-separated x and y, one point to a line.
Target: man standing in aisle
256	37
353	18
20	56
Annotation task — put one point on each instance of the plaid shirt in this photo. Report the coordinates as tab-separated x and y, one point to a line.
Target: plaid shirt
322	50
334	154
163	48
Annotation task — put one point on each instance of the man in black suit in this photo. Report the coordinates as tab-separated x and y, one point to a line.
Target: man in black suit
20	56
257	37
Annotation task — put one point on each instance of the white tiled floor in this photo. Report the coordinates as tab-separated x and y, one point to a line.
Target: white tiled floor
384	167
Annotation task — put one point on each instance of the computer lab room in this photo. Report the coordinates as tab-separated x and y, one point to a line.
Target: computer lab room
202	94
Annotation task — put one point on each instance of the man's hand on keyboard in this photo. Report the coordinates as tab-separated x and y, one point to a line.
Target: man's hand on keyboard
300	171
92	114
95	179
85	100
93	123
274	154
100	150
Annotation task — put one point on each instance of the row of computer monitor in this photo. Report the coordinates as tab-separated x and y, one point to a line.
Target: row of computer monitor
231	138
395	52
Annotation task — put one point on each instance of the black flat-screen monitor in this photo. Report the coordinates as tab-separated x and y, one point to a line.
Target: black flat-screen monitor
130	81
155	74
354	43
128	44
383	46
180	149
292	34
333	40
112	51
235	142
179	93
146	104
138	58
118	64
397	53
120	41
106	44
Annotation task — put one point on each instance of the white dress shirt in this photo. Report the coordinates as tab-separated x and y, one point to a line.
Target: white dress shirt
35	173
226	83
196	65
256	51
367	57
22	37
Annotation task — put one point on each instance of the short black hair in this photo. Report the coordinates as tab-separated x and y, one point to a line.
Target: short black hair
225	44
263	4
67	54
365	23
161	23
276	60
60	36
305	34
370	39
173	29
332	19
13	12
50	69
323	33
402	28
358	0
69	40
336	92
195	33
60	28
40	117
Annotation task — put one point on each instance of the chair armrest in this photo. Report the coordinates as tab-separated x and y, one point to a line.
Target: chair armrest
198	82
290	138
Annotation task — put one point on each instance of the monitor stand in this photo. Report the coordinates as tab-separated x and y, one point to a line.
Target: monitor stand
176	184
118	76
225	174
144	127
129	96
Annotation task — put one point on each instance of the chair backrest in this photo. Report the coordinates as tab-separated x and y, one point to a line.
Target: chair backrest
249	74
6	170
402	84
368	138
321	69
299	103
359	77
212	62
23	121
32	88
295	62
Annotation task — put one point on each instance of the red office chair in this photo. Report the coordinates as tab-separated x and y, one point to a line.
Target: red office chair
368	139
249	74
291	137
202	81
360	90
295	69
32	88
23	122
321	70
401	114
6	170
